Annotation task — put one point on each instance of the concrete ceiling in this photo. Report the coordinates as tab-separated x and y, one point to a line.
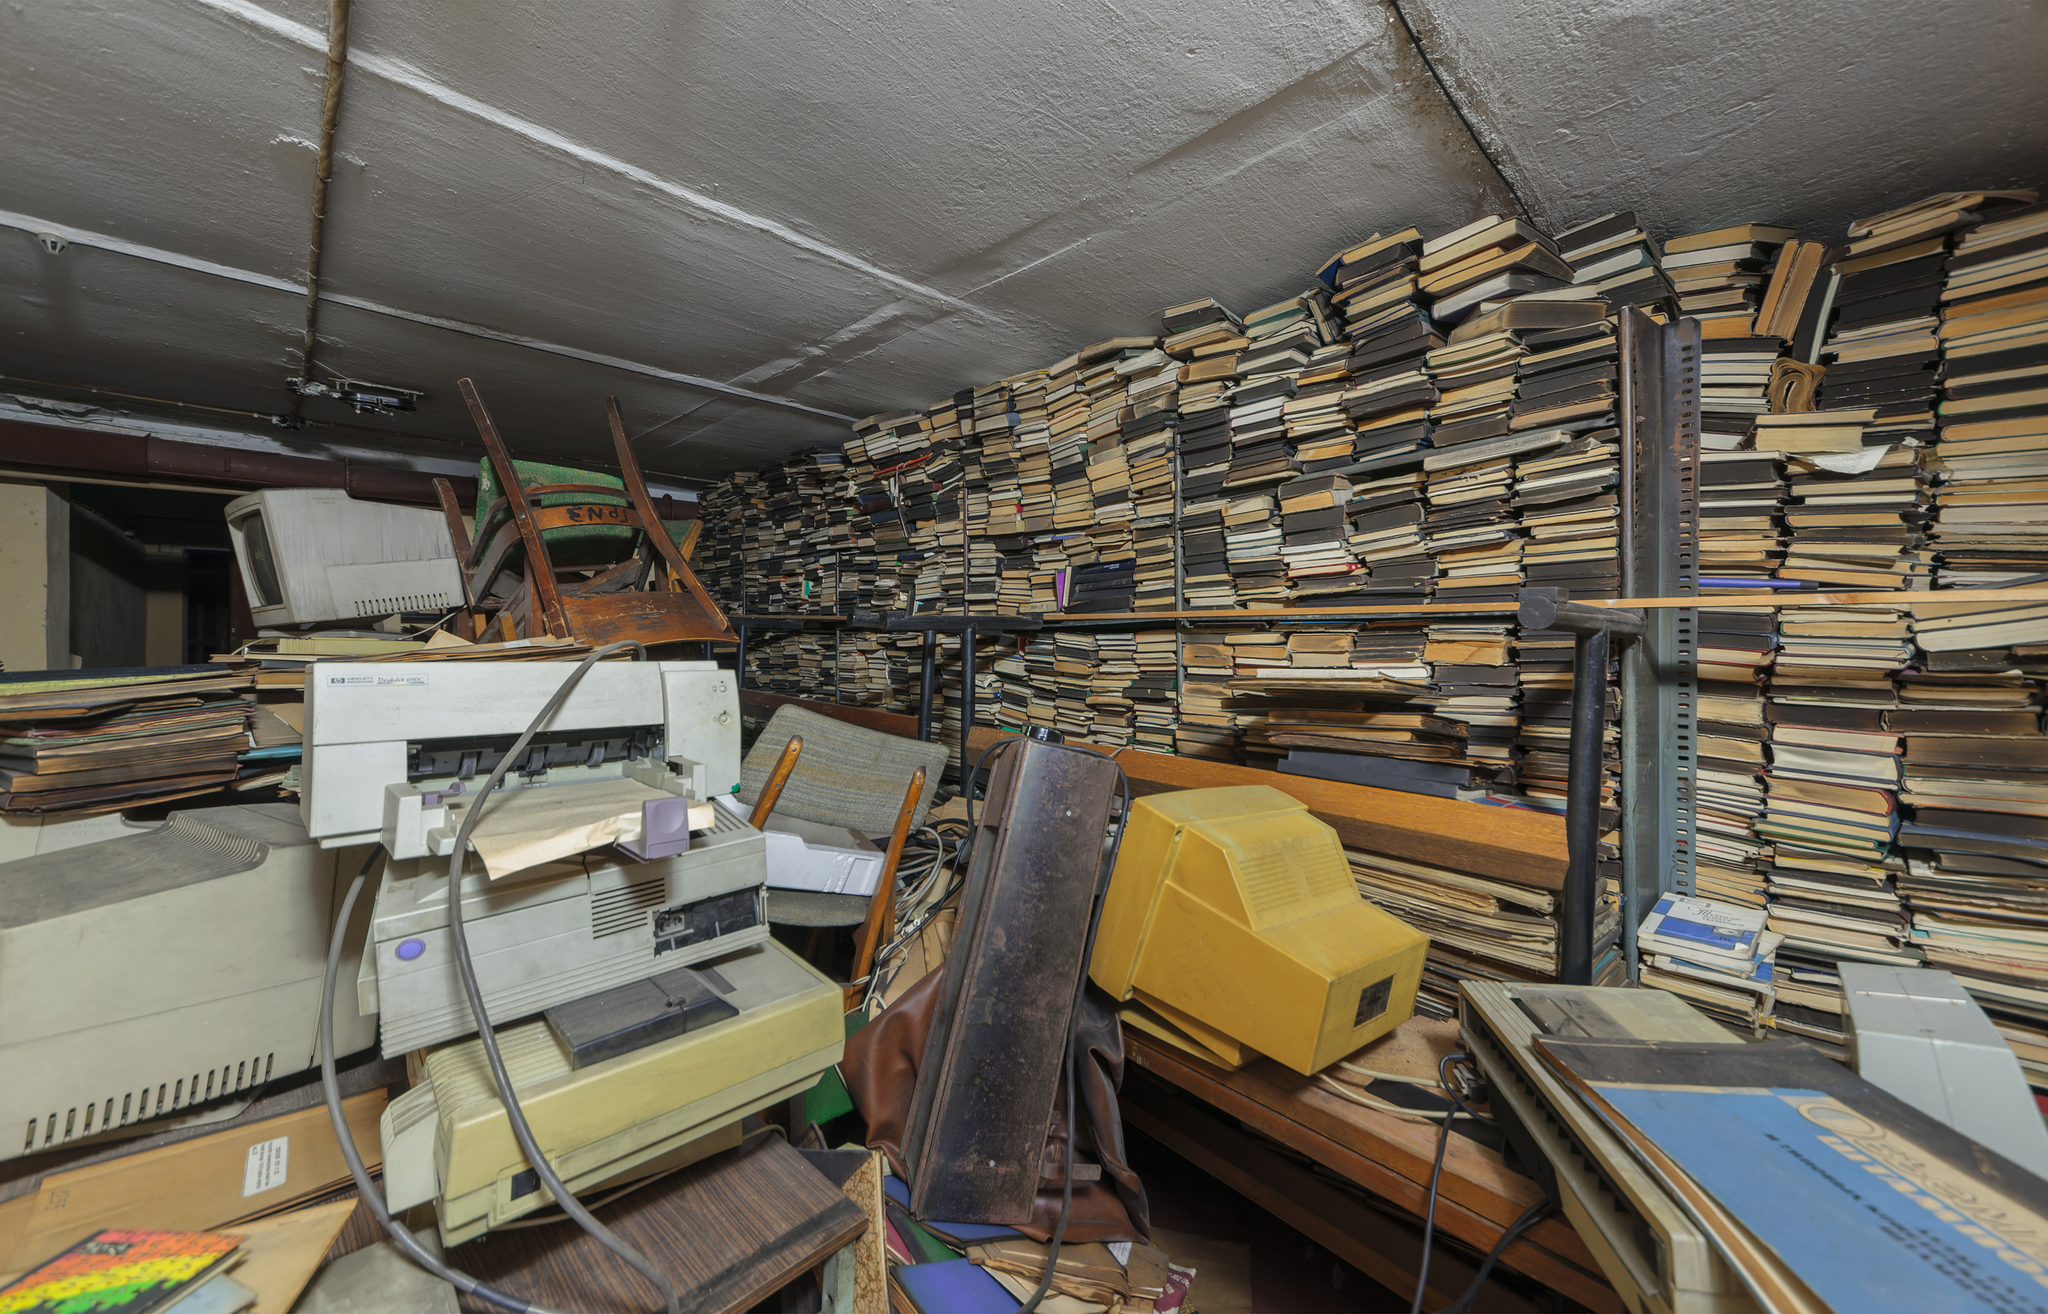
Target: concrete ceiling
752	219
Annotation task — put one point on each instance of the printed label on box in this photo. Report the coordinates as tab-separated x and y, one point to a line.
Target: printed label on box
266	1167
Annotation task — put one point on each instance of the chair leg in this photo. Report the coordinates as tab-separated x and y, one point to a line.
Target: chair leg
771	793
882	907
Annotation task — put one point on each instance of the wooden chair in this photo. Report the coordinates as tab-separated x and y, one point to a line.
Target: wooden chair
844	781
621	576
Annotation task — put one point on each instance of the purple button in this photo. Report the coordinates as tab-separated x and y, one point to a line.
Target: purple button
411	949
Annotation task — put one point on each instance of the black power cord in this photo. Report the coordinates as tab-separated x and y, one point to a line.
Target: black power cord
1436	1171
1531	1216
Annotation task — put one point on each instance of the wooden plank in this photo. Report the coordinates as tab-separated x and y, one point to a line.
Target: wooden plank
1381	1248
980	737
1510	844
1716	601
1390	1156
872	718
728	1232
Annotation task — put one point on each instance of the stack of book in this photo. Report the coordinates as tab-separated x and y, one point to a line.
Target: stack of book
1831	811
1251	544
1384	519
1152	691
1717	956
1982	916
1319	428
1316	536
1735	650
1719	275
1991	519
1975	788
1741	499
1565	491
1543	668
1735	374
1480	928
1729	795
1206	726
1489	260
1209	338
1071	676
1390	391
96	741
1113	674
1859	500
1333	695
1475	683
1616	259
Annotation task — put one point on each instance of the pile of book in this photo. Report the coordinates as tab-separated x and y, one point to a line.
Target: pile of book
1479	928
1719	275
1741	499
1205	727
986	1268
1991	517
1717	956
95	741
1614	259
1735	651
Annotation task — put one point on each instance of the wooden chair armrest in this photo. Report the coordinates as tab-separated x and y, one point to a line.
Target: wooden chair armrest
771	793
882	907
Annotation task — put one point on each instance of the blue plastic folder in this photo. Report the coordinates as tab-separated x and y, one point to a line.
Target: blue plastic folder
957	1286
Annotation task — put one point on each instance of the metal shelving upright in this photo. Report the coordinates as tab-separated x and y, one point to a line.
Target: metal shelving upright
1660	432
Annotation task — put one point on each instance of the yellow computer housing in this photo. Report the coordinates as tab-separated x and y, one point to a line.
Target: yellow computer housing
1233	916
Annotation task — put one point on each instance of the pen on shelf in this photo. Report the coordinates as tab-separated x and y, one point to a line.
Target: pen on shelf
1732	582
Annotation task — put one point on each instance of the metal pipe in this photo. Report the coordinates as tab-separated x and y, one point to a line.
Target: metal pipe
924	687
323	173
966	707
1582	809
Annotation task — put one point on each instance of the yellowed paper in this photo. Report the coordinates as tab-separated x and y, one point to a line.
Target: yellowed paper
526	827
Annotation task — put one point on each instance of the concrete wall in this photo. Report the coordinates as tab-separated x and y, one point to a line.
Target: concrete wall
164	607
109	616
35	577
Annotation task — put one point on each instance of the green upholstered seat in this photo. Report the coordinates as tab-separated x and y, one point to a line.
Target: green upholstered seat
569	546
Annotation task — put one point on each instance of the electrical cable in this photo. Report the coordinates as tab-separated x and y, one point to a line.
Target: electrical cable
514	1115
1436	1172
1531	1216
1372	1101
371	1194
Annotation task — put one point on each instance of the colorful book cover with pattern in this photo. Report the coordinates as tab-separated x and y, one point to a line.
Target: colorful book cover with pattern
114	1270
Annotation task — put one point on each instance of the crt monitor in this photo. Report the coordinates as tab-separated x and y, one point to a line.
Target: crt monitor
311	555
1234	921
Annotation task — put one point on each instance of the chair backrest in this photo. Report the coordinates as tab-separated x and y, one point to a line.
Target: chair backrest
568	545
848	775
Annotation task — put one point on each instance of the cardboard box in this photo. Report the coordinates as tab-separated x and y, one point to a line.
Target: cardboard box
196	1185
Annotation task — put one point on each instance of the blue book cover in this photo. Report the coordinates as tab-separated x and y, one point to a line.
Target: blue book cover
957	1286
1704	924
1875	1206
961	1235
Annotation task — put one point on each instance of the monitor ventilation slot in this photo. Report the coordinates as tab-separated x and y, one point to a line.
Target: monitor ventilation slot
403	602
62	1126
616	911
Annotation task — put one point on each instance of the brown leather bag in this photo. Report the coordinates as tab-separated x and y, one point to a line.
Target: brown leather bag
880	1070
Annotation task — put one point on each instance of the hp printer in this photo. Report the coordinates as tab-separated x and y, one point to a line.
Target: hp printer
392	755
